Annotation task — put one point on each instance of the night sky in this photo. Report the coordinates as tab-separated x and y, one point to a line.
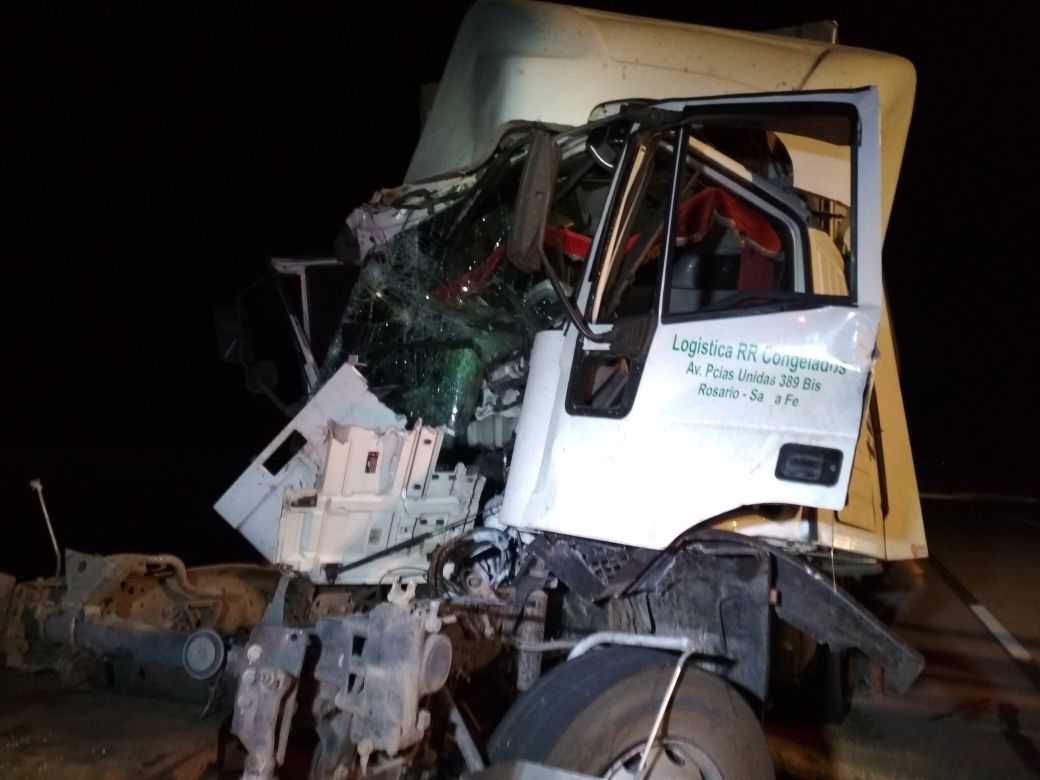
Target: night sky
151	159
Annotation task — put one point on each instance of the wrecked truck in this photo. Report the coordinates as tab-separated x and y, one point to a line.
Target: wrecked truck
606	418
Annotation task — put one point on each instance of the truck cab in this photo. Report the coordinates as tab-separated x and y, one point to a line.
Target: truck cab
609	415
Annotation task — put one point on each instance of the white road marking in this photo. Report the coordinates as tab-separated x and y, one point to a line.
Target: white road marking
1001	634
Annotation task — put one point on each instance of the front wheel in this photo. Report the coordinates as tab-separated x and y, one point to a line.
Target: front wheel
594	714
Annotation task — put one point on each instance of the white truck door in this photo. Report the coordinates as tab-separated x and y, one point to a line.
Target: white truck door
737	270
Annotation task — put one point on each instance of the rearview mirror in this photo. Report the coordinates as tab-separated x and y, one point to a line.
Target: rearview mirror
524	246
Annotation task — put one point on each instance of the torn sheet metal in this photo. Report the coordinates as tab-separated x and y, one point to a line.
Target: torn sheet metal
392	210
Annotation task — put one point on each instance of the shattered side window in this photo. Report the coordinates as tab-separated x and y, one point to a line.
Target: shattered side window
437	312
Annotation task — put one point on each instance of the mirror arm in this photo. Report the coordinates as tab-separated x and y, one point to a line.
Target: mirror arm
525	245
310	365
572	311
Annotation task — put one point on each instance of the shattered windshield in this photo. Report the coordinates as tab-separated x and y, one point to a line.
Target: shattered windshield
438	309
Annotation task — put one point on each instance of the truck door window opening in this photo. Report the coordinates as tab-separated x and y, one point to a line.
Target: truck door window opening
738	248
724	243
739	243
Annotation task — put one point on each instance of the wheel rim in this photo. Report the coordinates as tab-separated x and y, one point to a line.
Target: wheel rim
672	760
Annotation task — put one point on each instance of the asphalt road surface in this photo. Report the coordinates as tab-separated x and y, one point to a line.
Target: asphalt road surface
975	711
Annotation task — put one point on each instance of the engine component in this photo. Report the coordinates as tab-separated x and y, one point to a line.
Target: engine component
268	673
473	564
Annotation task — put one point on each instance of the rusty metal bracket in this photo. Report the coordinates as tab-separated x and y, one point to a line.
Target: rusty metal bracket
266	700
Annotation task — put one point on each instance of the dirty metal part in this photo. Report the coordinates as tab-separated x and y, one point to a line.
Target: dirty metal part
335	749
592	569
7	585
332	601
332	724
92	577
478	633
463	738
401	660
89	577
268	670
203	655
531	576
244	590
155	590
530	630
720	598
274	615
548	646
800	595
146	563
149	609
563	560
475	563
200	653
30	603
402	593
373	671
677	643
812	603
524	770
662	711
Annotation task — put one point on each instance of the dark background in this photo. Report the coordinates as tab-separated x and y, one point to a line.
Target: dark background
151	159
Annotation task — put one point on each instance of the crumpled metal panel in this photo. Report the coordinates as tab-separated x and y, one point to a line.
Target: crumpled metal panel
381	508
253	503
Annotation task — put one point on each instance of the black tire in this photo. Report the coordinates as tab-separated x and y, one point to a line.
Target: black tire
594	714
